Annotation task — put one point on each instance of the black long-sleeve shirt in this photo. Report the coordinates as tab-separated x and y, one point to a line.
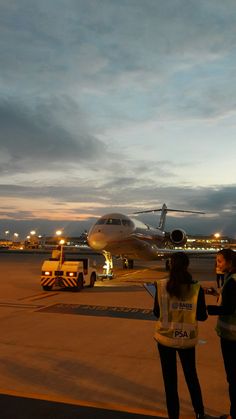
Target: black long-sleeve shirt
228	303
201	314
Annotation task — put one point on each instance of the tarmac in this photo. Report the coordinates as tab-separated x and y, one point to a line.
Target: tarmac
92	354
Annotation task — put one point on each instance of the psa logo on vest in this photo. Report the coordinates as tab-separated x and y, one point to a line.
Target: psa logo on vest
181	305
178	333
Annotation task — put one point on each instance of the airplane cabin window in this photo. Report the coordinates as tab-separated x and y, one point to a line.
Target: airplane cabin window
113	221
126	223
101	221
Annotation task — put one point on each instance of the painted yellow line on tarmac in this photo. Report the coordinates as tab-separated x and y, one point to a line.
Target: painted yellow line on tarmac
38	296
18	305
131	274
30	296
45	295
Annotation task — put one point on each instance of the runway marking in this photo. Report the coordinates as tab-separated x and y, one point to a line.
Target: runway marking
46	295
119	284
122	275
39	296
34	295
20	305
100	311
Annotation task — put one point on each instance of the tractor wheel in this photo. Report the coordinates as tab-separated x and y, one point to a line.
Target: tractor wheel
47	287
80	282
92	280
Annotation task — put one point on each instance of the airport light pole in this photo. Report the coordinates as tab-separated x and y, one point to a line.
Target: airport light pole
7	232
58	233
34	241
61	242
16	235
217	239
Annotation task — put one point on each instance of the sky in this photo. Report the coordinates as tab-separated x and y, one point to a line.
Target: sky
117	106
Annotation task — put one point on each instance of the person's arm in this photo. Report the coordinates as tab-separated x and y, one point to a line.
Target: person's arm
228	305
215	310
201	306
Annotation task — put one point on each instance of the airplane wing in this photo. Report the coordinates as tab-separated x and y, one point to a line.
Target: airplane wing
146	240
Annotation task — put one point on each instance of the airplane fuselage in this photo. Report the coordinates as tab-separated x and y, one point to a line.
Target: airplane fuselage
127	237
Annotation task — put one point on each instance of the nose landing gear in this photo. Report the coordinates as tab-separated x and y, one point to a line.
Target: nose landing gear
108	265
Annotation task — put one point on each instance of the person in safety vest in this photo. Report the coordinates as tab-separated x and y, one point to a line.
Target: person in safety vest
178	305
226	323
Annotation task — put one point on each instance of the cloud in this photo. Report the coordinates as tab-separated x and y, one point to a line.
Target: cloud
129	196
102	44
68	206
124	105
35	138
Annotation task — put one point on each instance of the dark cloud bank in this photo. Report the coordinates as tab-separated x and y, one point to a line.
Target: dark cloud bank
218	204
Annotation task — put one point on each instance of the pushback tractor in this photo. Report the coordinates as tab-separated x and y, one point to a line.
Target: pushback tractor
71	274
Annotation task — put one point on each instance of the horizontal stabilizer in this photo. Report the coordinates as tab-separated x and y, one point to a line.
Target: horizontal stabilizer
164	211
168	209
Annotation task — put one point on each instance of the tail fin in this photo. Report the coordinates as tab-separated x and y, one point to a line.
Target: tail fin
162	221
164	211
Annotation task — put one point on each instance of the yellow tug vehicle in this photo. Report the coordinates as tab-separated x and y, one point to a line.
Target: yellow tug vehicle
70	273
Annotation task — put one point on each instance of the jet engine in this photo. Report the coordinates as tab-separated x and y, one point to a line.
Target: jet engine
178	237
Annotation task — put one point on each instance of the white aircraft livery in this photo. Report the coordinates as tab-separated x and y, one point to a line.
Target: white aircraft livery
128	238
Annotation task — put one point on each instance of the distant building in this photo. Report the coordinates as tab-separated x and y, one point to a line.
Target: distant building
81	240
209	242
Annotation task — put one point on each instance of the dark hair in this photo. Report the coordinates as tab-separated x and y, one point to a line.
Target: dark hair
180	279
230	256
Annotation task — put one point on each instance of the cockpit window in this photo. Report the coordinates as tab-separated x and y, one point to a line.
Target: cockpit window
100	221
126	223
113	221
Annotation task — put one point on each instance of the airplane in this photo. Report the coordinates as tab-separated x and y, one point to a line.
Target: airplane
122	236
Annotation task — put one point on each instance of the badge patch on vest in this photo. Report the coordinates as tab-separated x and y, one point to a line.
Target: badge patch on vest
181	305
179	333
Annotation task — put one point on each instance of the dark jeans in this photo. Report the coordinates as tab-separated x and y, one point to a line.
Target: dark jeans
169	371
228	348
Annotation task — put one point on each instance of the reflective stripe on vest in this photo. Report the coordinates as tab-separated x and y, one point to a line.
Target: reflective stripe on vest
226	325
177	325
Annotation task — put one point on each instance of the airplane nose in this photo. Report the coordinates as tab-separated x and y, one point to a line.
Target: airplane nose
97	241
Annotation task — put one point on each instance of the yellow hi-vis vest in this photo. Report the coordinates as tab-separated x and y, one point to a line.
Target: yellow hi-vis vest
226	325
177	325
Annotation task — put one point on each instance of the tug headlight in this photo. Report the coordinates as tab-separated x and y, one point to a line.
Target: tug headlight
71	274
